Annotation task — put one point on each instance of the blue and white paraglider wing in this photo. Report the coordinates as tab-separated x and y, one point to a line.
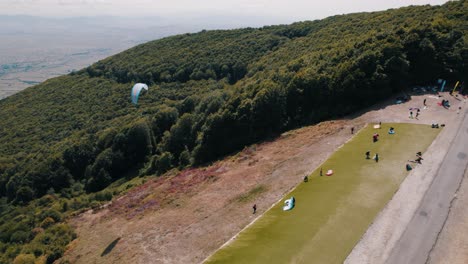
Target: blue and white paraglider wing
136	90
289	204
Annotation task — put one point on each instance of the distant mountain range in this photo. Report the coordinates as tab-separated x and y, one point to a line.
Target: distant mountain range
34	49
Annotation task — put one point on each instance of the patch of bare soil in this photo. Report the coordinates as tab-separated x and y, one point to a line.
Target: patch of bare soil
186	217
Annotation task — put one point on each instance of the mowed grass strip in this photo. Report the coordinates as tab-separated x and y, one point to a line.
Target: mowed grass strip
332	212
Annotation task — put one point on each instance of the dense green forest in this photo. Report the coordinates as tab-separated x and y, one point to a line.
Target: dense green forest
65	141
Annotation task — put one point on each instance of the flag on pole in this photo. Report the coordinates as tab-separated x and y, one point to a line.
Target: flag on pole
455	87
443	85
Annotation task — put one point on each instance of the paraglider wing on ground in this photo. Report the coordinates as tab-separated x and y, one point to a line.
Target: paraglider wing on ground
289	204
136	90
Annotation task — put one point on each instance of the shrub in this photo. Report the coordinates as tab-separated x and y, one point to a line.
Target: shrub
102	196
54	214
95	205
3	247
164	162
184	158
24	194
12	251
37	230
46	200
64	206
47	222
54	254
34	248
24	259
20	237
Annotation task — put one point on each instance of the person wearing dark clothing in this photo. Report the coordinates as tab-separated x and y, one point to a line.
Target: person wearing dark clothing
408	167
306	178
254	207
376	157
424	102
352	130
375	137
418	153
445	103
321	172
368	155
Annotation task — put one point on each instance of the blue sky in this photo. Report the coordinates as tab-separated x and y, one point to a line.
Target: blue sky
283	9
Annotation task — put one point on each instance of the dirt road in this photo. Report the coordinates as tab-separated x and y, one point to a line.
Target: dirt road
423	230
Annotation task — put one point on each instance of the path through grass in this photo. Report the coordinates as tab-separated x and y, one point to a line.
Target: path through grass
332	213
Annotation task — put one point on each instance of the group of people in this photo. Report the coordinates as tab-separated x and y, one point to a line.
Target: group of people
445	103
417	160
376	156
375	138
417	113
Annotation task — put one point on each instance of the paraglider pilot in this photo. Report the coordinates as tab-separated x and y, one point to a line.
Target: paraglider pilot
375	137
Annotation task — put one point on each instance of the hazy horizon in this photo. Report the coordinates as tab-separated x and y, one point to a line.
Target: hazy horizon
282	11
34	48
47	38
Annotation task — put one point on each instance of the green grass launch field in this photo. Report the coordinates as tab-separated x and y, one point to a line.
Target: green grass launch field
332	212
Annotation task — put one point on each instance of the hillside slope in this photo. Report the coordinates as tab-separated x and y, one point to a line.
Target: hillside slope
185	217
211	93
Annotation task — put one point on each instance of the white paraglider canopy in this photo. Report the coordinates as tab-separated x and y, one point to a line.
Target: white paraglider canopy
136	90
289	204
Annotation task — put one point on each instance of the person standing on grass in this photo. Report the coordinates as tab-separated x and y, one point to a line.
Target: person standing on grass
368	155
321	172
254	207
375	137
376	157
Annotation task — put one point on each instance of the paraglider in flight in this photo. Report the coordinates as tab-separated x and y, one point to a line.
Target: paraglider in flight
136	91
